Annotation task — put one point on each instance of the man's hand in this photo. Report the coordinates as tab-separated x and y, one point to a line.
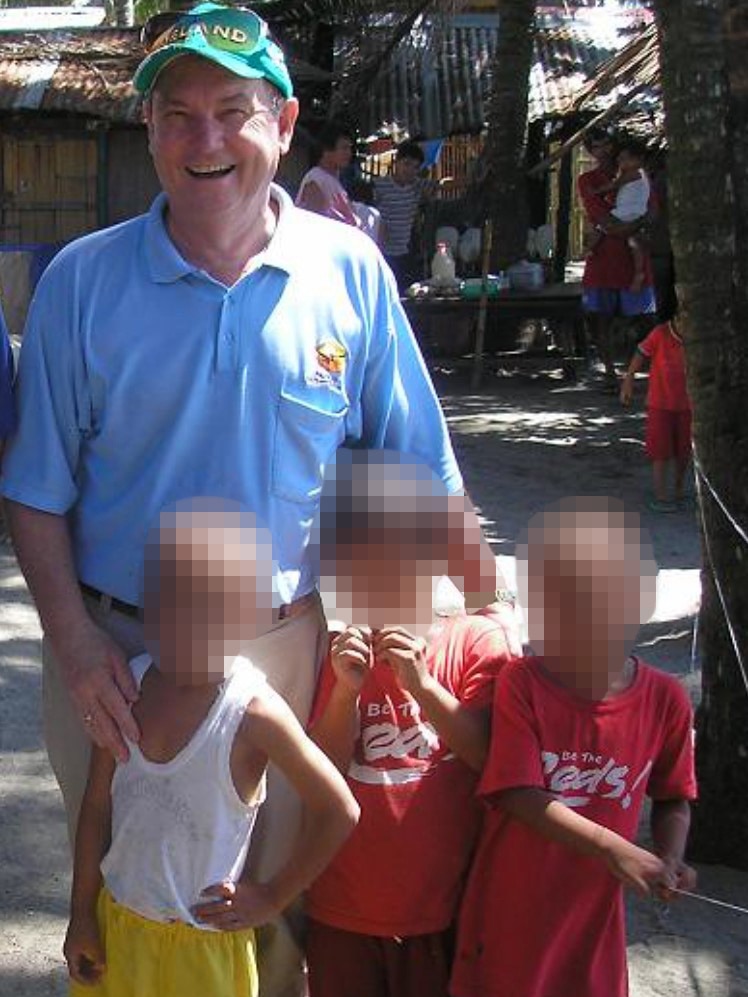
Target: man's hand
83	950
236	906
350	656
101	685
406	655
637	868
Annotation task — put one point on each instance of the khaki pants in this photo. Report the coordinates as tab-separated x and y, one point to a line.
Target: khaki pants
290	656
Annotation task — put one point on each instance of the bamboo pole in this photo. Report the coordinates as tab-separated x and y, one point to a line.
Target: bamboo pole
480	330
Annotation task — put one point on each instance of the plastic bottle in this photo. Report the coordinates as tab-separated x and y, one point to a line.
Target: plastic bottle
442	266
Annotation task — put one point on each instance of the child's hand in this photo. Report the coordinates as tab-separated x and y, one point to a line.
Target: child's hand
236	906
637	868
350	655
83	950
683	878
406	655
627	389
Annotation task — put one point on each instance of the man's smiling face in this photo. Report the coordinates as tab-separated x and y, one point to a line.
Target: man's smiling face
215	138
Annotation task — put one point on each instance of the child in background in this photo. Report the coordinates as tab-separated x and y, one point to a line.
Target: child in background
160	905
402	709
632	189
399	197
668	434
581	732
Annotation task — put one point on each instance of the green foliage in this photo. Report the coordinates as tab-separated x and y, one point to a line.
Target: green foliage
147	8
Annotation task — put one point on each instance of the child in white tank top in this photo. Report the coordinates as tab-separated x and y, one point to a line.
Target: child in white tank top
160	903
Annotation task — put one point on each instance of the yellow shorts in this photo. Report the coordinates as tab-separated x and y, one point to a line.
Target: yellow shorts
148	959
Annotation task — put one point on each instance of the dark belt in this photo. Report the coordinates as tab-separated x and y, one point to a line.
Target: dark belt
108	602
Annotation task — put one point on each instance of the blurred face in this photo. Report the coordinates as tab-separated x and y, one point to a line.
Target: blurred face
216	139
587	588
209	593
407	170
601	150
382	580
629	161
342	154
383	540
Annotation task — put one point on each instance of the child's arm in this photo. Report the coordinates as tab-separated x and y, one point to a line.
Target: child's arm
670	823
464	728
83	949
336	728
329	815
633	866
627	384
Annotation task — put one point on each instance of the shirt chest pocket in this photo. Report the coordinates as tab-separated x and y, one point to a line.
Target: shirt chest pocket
306	438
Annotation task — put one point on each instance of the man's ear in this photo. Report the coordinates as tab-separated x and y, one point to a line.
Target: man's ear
286	123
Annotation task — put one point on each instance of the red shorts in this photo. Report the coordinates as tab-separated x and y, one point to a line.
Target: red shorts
668	434
347	964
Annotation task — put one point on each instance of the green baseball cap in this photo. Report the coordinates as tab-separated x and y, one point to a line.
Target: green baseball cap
233	37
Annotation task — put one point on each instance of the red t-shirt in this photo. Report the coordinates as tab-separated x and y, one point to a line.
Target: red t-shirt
402	870
610	264
537	919
667	373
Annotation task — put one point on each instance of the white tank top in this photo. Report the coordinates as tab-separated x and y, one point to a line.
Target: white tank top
333	192
180	826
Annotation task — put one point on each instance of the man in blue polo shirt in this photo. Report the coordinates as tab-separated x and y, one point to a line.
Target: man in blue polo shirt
225	344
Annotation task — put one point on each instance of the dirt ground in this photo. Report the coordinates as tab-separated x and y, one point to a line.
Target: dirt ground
526	440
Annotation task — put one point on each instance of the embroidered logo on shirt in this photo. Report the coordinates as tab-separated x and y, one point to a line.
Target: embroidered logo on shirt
331	357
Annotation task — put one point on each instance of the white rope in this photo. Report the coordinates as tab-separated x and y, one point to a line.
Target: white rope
701	473
717	584
710	900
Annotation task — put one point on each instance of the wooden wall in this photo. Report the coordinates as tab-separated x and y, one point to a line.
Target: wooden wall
131	179
49	186
63	178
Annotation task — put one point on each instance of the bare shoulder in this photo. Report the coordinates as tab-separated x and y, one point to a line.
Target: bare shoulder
268	718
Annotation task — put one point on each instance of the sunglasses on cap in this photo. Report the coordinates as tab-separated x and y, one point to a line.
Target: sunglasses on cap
230	29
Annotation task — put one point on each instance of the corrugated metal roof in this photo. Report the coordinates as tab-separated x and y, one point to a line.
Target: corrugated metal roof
82	71
85	72
438	80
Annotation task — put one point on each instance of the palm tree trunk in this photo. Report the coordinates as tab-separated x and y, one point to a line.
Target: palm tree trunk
123	12
706	101
504	179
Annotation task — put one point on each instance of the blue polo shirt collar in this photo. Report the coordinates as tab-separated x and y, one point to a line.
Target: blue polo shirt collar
167	265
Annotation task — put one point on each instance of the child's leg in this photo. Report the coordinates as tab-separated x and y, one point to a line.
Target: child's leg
637	252
344	963
419	965
659	447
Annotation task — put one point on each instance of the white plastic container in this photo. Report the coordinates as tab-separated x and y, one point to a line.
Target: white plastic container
526	276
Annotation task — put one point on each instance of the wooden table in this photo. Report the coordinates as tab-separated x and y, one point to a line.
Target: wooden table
451	321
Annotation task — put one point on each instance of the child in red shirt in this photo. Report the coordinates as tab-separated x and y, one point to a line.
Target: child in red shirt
668	434
402	709
580	734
